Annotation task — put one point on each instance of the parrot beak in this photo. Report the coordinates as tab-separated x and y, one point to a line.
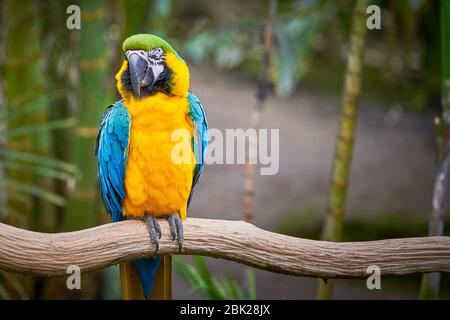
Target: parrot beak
143	73
138	71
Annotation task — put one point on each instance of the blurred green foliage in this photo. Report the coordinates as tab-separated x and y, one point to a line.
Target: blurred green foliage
203	282
239	44
402	60
306	222
10	287
28	162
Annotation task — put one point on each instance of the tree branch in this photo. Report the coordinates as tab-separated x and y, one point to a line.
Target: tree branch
50	254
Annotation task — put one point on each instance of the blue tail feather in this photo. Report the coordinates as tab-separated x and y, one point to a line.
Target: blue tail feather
146	269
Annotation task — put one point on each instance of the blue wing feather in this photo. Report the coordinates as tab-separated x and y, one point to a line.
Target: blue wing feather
112	153
200	139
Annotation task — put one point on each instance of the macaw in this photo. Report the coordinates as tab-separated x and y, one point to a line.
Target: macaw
138	177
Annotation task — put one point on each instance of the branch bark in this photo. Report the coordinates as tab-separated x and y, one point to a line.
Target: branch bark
44	254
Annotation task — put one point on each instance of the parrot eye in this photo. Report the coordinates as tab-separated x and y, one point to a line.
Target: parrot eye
156	53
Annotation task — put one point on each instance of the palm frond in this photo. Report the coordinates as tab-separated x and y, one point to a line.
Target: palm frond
30	189
40	160
14	283
4	295
17	197
251	284
27	130
23	106
203	282
37	170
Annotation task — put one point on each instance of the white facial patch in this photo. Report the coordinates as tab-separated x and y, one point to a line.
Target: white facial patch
141	53
157	70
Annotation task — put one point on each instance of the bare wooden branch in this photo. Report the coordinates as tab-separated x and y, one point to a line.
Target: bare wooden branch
50	254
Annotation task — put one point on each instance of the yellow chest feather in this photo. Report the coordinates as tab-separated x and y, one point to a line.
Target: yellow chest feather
154	183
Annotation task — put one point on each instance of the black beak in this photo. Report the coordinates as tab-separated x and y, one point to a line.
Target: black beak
141	74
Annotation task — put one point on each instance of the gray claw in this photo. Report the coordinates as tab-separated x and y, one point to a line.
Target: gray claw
176	229
154	230
157	227
173	227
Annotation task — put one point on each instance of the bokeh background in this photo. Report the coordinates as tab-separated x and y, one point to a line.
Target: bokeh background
55	84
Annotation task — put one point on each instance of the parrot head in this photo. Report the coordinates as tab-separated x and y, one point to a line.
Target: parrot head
151	66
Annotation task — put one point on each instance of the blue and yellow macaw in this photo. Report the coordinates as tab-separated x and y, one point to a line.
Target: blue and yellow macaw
137	174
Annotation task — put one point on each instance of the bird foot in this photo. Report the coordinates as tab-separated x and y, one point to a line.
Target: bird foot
176	229
154	229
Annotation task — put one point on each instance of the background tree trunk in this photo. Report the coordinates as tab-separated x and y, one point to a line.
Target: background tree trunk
346	136
431	282
248	198
84	204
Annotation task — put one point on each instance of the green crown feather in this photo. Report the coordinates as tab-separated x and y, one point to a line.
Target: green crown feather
146	42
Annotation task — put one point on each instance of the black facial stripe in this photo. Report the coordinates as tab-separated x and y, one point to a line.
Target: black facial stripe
155	58
126	80
163	84
153	62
